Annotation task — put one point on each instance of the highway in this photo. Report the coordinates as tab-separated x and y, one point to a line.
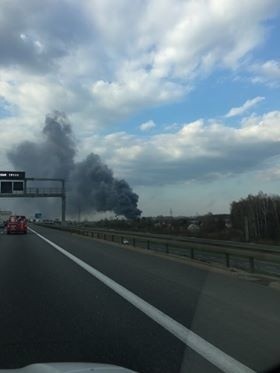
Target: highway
61	300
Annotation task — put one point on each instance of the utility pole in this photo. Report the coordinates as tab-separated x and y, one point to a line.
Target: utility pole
79	213
63	202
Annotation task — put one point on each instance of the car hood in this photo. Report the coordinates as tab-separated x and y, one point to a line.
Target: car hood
68	368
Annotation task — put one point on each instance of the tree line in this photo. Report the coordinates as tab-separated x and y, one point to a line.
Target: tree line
257	216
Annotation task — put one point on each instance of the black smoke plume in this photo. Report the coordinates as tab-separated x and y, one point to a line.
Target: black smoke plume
91	185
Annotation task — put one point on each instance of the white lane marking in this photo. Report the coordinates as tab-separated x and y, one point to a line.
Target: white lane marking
213	354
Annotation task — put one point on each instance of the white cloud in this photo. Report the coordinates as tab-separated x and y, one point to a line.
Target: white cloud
93	67
34	95
133	93
12	133
157	61
172	127
147	126
102	60
199	150
267	72
23	36
235	111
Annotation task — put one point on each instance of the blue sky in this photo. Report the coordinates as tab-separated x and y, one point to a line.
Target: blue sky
200	104
230	87
180	98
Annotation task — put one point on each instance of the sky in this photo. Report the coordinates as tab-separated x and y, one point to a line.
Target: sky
178	97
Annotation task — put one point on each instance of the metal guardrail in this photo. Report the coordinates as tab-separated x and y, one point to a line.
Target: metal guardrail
206	241
188	249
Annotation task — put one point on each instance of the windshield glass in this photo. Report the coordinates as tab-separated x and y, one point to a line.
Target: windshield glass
139	184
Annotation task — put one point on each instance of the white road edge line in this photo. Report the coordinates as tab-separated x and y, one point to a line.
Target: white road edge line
208	351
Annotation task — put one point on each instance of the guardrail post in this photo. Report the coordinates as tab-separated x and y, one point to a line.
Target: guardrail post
192	253
148	245
97	234
63	205
92	234
112	238
252	264
167	248
227	260
104	236
133	242
121	239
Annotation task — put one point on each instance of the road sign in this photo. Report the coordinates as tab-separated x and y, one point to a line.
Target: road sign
12	175
38	215
13	184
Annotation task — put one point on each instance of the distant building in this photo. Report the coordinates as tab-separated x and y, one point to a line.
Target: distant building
228	223
193	228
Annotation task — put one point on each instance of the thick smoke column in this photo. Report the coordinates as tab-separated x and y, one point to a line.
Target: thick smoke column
91	184
94	187
53	156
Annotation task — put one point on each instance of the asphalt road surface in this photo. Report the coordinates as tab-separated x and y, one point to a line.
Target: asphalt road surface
54	310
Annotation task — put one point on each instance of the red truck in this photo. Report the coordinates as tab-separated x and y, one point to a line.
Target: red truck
16	224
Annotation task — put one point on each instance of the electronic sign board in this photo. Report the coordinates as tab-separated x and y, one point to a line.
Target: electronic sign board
12	175
7	187
18	186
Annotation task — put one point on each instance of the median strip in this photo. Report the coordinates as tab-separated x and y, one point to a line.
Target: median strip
208	351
